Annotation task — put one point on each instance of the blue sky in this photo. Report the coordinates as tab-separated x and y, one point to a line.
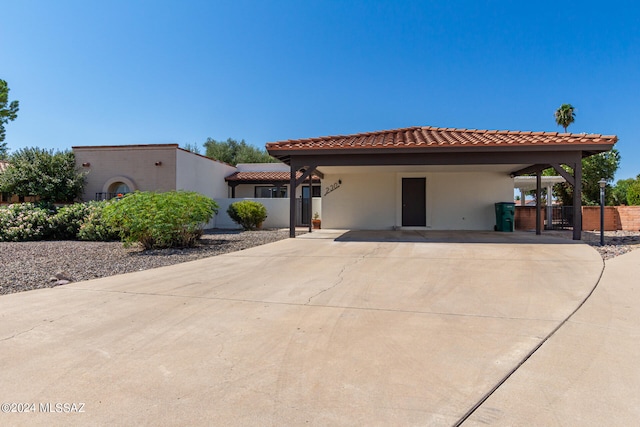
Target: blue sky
141	72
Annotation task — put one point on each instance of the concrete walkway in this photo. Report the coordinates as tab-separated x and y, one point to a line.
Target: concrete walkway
586	374
355	329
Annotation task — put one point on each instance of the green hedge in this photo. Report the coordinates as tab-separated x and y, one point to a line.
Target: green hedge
160	220
24	222
248	214
29	221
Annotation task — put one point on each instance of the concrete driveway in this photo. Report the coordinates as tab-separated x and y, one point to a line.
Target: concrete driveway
382	328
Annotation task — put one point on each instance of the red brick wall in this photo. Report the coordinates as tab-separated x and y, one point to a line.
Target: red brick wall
591	218
526	218
629	217
615	218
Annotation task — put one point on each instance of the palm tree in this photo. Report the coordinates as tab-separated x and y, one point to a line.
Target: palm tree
565	116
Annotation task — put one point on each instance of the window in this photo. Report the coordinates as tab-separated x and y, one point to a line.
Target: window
316	191
270	192
120	188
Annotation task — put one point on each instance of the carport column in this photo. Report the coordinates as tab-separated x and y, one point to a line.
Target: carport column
577	199
538	200
292	203
549	203
310	203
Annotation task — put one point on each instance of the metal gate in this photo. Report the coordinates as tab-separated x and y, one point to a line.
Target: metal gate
303	206
561	217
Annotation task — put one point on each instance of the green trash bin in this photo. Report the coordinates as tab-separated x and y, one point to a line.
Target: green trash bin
505	216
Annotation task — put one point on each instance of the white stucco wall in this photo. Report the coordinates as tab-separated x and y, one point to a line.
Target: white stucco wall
455	201
361	201
201	174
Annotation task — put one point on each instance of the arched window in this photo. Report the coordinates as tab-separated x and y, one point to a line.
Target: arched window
119	188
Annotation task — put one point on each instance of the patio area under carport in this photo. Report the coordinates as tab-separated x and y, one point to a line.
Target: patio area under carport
333	328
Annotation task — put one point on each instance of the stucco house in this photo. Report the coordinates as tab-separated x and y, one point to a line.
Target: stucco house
430	178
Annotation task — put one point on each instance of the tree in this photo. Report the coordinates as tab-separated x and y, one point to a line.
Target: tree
594	168
619	191
192	147
565	115
8	112
233	152
38	172
633	194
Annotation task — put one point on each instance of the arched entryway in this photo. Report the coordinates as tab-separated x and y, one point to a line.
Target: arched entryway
115	187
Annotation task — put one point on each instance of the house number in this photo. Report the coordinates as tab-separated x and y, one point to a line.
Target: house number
332	187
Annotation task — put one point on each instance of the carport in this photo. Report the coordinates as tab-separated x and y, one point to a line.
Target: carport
509	153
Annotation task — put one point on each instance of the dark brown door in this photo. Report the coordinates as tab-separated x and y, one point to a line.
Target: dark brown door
414	202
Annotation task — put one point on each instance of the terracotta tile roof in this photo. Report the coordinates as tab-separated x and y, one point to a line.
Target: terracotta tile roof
432	137
263	176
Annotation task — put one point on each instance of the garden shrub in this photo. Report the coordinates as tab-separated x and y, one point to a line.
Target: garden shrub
68	219
247	213
94	227
633	194
160	220
24	221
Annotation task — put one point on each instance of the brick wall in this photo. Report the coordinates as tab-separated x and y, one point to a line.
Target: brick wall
591	218
629	217
526	218
615	218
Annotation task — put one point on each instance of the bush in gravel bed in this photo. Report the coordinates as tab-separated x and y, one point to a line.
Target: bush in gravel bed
160	220
24	221
248	214
68	219
94	227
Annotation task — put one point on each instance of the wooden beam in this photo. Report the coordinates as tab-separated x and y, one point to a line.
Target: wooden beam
538	204
307	173
292	203
530	169
563	173
577	199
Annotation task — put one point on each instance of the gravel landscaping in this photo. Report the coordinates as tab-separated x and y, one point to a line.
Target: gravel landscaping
615	242
33	265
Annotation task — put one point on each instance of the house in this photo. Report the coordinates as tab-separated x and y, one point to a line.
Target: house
430	178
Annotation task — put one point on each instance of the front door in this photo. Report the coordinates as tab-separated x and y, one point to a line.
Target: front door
414	202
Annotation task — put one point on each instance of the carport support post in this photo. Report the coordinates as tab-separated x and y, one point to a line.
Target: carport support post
292	203
577	199
538	201
310	202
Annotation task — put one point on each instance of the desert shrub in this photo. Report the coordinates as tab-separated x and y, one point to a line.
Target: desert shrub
247	213
160	220
68	219
24	221
94	227
633	194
